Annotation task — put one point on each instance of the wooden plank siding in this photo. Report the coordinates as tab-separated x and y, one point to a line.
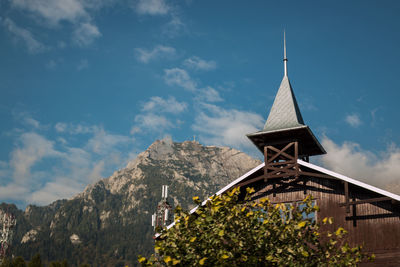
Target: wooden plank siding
374	225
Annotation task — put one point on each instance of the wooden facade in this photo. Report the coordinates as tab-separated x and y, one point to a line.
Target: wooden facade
371	219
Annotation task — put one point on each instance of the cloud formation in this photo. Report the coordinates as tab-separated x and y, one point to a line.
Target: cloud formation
179	77
353	120
219	126
25	36
32	149
159	51
152	122
152	7
85	34
72	128
197	63
174	27
379	169
159	104
154	115
83	64
54	11
29	178
208	94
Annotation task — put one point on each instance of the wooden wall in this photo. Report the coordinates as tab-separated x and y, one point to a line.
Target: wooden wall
376	226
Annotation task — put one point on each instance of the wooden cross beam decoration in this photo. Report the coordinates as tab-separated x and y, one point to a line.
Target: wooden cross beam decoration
281	162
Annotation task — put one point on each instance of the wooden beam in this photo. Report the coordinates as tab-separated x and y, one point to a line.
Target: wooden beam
296	156
251	181
285	168
286	174
280	152
265	162
313	174
280	163
346	196
369	200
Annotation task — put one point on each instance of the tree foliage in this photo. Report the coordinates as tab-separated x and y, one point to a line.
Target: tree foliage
229	232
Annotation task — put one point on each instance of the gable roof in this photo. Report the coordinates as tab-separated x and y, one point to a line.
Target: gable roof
349	180
285	112
305	164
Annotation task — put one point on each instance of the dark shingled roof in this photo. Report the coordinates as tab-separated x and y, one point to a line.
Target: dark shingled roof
285	112
285	124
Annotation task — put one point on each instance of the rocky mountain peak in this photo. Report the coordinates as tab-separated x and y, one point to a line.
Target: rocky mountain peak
114	214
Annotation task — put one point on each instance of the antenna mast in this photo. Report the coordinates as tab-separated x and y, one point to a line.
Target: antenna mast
284	55
163	216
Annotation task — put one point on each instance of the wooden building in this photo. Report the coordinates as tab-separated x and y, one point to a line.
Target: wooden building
370	215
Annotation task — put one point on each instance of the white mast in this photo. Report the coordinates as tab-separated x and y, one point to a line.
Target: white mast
284	54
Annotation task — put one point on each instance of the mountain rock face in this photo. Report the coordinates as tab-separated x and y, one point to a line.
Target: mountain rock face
109	223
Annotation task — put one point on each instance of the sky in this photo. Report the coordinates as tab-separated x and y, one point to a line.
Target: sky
86	85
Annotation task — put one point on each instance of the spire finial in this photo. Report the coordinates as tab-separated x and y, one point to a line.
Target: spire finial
284	53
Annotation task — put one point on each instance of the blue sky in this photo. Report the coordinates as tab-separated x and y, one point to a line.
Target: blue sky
86	85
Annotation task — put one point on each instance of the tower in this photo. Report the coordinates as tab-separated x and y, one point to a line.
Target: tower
162	217
285	137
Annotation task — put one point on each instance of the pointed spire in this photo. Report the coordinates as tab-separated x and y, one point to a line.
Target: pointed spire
285	112
285	123
284	53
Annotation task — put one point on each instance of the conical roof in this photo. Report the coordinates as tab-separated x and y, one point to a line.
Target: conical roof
285	112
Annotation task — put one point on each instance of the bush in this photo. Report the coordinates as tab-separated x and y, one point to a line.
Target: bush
229	232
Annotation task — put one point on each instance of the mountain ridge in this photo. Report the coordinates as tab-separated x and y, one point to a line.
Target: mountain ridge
108	223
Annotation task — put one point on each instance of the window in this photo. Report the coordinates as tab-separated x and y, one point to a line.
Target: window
299	205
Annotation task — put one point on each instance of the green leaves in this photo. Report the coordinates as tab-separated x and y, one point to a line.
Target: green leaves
301	224
226	231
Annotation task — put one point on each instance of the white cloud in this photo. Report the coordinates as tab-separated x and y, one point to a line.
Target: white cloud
209	94
54	11
21	34
145	56
134	130
378	169
51	64
174	27
26	120
71	128
219	126
83	64
85	34
32	122
153	117
153	122
170	105
152	7
353	120
96	173
32	149
54	190
41	170
13	191
103	142
60	127
197	63
179	77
